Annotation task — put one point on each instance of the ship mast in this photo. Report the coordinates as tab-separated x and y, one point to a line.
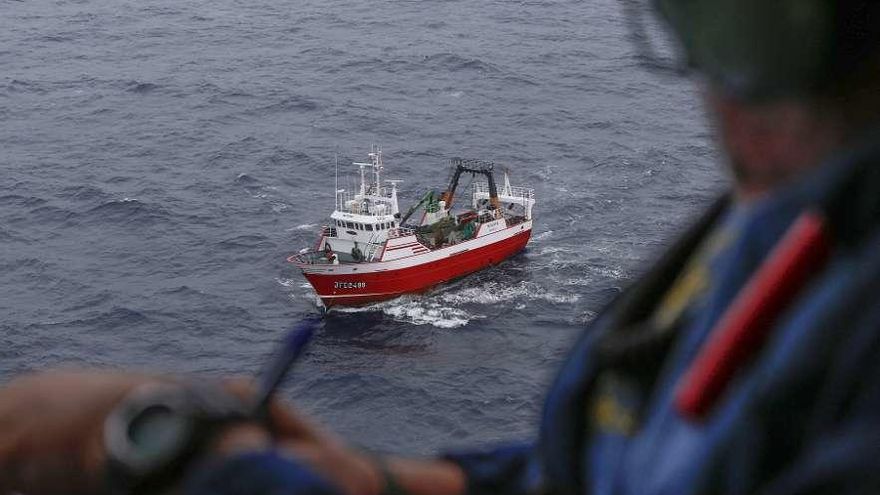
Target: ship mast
363	179
376	159
376	163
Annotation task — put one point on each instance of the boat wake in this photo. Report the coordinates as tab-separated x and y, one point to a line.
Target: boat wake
418	310
451	306
494	292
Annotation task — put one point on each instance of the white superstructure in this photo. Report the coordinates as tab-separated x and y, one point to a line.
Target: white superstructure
361	221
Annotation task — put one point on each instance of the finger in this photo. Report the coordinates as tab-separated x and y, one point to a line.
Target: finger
284	419
316	458
350	470
241	387
305	453
293	425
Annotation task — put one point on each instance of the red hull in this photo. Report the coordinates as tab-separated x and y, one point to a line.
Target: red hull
365	288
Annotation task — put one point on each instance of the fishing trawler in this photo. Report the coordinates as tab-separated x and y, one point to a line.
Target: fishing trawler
370	251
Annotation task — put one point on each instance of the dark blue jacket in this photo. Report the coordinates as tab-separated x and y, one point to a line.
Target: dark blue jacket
803	416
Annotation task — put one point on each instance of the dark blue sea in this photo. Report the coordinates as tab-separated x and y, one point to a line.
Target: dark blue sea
160	159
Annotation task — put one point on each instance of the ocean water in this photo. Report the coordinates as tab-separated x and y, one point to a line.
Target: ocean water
161	159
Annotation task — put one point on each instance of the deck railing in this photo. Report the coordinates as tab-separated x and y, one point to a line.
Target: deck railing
347	201
515	191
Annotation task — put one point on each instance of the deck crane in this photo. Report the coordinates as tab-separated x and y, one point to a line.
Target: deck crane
428	201
472	167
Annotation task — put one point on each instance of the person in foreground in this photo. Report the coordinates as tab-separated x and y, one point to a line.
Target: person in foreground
743	361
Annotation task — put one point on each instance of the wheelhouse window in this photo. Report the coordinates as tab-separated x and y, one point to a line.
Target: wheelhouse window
369	228
349	225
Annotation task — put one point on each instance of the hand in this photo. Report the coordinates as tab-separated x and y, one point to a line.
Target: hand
351	470
51	434
51	439
356	472
51	430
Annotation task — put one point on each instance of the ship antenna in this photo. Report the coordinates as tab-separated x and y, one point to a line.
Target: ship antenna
377	165
336	180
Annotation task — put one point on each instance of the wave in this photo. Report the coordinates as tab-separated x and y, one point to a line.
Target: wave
7	236
140	87
83	193
453	62
284	157
114	319
48	213
127	211
57	38
90	301
182	291
541	236
20	200
219	95
245	179
30	265
248	241
17	85
289	104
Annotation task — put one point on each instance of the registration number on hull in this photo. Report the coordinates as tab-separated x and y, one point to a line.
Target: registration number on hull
349	285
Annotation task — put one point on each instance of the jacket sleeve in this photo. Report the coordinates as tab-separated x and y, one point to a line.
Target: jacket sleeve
841	454
507	470
258	473
844	462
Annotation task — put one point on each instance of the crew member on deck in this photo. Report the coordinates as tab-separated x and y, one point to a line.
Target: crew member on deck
744	361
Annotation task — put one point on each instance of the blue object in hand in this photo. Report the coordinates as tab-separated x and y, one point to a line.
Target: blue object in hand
280	363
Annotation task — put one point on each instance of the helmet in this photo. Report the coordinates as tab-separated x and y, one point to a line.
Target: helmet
762	49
